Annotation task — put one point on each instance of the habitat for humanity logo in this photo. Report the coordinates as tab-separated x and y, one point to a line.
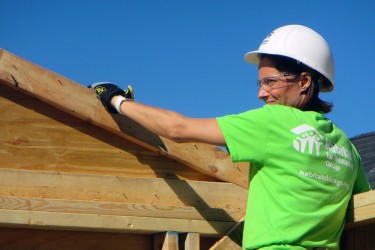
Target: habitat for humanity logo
308	138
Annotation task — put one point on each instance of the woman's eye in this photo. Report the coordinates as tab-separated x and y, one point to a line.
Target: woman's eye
269	81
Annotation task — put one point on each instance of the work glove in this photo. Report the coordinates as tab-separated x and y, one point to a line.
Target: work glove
105	91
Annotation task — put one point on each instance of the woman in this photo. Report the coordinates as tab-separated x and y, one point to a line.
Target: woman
303	168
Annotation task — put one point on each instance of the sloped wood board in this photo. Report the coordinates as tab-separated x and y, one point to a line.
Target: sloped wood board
34	135
77	100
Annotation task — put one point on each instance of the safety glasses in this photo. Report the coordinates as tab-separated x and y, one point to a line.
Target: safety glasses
273	82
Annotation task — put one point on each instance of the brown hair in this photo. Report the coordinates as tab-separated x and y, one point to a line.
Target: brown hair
312	101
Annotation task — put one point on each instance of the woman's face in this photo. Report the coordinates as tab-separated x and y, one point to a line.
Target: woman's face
276	88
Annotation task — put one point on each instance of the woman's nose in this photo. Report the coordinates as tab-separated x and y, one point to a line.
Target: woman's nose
262	93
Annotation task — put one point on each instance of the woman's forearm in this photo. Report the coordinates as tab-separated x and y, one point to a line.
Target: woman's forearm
172	125
163	122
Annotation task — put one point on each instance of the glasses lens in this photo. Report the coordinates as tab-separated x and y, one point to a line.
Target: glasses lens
273	82
268	83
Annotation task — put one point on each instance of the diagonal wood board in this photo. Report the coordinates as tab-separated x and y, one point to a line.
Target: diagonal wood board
79	101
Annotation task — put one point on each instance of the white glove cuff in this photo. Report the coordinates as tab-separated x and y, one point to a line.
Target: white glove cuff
118	102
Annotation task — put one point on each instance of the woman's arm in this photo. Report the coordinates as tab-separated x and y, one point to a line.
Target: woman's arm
172	125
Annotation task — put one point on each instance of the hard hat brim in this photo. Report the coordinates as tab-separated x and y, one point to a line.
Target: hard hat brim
252	57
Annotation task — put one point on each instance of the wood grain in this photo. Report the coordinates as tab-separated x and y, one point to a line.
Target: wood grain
90	187
79	101
37	136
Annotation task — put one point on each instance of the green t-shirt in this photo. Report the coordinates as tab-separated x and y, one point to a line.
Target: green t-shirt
303	173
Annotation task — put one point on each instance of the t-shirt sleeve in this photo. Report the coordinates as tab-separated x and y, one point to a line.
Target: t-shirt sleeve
245	135
361	183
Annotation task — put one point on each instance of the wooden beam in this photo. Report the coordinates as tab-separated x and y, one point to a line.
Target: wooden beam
166	241
360	227
226	243
233	238
116	209
81	102
43	213
42	137
191	241
90	187
361	209
176	241
83	202
108	223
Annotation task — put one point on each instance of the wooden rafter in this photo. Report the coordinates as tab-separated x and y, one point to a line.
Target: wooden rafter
81	102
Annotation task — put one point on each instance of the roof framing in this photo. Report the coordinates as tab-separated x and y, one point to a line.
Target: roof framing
81	102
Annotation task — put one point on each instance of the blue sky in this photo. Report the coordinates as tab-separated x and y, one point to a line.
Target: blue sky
187	56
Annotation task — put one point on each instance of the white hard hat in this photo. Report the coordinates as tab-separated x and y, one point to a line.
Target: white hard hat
300	43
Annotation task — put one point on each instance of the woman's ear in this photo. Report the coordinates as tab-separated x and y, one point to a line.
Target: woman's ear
305	80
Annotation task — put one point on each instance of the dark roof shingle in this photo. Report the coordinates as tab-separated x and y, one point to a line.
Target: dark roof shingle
365	144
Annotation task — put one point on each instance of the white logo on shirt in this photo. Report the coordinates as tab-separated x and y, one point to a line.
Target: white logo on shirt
308	138
338	156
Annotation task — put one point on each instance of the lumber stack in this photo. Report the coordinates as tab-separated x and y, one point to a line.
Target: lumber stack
66	165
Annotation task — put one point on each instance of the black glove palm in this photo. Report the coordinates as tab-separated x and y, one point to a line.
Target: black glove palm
105	91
